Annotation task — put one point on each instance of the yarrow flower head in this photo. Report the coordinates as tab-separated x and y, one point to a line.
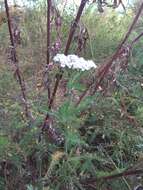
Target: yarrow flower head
74	62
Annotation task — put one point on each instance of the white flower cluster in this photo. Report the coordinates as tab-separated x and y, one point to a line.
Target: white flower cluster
74	62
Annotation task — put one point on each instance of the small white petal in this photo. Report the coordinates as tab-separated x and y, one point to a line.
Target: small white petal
74	62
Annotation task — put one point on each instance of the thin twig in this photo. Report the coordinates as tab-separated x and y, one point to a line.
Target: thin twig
106	68
136	39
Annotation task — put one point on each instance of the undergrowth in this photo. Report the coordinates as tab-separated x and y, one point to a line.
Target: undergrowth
86	142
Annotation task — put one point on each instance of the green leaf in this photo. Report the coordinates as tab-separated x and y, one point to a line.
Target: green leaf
66	113
86	103
74	82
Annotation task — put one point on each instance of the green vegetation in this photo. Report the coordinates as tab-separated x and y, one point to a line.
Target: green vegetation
85	143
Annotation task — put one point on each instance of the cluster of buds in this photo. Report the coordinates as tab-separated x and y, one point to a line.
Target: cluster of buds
74	62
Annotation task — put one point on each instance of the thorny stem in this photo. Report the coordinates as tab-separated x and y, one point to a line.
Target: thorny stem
106	68
15	62
70	37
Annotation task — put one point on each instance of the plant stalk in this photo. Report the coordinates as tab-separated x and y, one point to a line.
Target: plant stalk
15	62
48	30
46	125
111	177
136	39
70	37
48	39
106	68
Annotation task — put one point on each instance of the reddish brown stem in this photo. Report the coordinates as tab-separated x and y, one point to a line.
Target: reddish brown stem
15	61
48	39
74	25
111	177
58	78
48	30
136	39
46	122
70	37
114	57
9	24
